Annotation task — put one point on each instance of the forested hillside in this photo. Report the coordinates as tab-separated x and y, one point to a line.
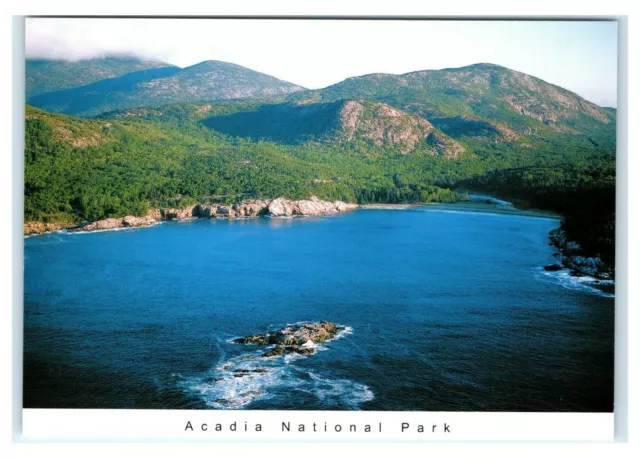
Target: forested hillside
90	169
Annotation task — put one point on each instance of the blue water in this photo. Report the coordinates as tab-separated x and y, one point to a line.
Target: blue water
443	310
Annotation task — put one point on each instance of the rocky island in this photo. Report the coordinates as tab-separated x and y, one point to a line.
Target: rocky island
299	338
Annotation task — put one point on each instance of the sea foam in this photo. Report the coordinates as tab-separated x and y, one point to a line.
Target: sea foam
583	283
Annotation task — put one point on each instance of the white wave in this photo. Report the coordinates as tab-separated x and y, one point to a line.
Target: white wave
582	283
60	231
388	207
116	229
331	391
489	199
236	382
281	217
466	212
507	212
346	331
54	239
289	358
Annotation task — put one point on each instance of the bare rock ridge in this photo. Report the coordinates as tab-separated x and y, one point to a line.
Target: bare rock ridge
339	122
299	338
385	125
246	209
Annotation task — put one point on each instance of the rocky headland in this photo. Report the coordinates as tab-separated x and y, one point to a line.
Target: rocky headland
575	259
245	209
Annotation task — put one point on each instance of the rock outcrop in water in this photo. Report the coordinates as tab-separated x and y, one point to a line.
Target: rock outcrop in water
552	268
298	338
246	209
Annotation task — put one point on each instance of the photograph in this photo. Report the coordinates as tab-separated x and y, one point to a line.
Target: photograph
308	214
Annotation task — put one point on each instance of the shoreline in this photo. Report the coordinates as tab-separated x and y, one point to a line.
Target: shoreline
388	206
482	207
253	208
468	206
283	208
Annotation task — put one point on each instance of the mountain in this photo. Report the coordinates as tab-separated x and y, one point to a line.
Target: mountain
45	75
206	81
488	92
343	122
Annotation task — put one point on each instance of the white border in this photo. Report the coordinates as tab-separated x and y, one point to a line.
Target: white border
200	425
333	7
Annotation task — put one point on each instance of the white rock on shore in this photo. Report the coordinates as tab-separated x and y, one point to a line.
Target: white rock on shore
134	221
246	209
116	223
313	206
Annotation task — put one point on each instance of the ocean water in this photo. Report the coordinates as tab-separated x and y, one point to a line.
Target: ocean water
443	310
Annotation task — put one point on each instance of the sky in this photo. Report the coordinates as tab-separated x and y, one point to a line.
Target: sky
579	56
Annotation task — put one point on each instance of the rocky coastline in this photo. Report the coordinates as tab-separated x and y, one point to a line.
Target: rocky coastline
38	227
575	259
279	207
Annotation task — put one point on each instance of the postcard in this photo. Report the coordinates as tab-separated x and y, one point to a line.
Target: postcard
319	229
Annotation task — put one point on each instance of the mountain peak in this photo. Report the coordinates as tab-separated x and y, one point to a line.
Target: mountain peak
211	63
50	75
482	66
517	100
211	80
